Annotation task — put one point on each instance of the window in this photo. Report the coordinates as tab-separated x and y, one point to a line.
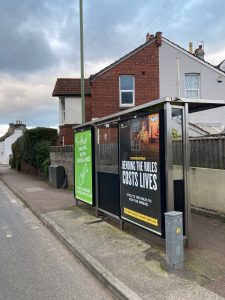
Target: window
192	86
63	110
127	90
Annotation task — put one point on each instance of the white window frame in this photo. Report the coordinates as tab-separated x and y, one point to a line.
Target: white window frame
121	91
199	86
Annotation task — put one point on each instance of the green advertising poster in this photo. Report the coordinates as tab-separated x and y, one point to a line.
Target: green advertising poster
83	166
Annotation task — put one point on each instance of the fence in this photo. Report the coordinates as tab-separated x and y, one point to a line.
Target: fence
206	152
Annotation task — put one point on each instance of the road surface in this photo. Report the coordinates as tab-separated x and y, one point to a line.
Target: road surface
33	263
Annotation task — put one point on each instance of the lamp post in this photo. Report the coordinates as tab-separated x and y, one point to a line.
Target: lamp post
82	62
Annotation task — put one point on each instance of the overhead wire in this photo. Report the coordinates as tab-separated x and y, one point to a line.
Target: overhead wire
160	11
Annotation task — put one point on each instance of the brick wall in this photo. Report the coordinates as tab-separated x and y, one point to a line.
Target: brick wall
108	135
66	131
88	108
144	65
63	156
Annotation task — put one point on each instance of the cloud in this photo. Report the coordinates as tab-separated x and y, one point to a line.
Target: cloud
29	101
216	57
40	42
3	129
31	34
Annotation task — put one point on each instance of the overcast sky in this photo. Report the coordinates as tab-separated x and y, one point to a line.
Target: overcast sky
40	42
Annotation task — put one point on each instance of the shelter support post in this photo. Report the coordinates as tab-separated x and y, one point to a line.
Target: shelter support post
96	170
168	157
187	177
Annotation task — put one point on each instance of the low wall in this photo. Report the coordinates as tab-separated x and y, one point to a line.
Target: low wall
206	188
63	156
206	185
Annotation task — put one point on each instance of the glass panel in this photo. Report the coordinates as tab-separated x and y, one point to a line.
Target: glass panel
192	81
135	141
178	161
126	97
126	82
108	148
177	138
192	94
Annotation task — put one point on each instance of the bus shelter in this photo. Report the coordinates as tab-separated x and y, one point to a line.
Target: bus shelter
125	164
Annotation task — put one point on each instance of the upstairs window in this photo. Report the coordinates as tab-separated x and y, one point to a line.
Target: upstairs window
126	83
63	110
192	86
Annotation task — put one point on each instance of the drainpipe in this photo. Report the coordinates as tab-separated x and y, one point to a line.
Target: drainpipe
178	77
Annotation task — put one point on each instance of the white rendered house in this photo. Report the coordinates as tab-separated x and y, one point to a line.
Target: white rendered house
6	141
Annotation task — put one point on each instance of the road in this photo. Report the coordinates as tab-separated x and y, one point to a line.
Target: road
33	263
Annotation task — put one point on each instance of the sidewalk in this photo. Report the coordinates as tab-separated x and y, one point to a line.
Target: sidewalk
130	262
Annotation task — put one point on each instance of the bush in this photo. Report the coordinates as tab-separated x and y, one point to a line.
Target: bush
12	163
42	152
44	167
32	138
18	151
33	148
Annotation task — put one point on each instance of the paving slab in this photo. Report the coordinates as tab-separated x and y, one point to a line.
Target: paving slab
131	262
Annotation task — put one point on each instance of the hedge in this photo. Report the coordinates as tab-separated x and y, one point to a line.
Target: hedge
33	148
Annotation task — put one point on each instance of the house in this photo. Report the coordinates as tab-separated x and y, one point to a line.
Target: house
6	141
156	69
68	90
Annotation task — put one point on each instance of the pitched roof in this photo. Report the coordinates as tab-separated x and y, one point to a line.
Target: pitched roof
219	65
70	87
5	136
92	77
216	68
11	130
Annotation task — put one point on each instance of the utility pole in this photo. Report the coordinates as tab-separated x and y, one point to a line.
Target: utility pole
82	62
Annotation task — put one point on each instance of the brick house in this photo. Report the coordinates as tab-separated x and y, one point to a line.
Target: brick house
156	69
68	90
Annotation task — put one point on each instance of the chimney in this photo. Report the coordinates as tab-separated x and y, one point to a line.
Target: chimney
199	52
191	47
158	38
11	128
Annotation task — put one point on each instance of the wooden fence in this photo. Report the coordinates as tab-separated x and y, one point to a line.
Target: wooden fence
206	152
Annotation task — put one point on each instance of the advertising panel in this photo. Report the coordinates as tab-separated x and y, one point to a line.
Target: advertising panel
83	166
140	194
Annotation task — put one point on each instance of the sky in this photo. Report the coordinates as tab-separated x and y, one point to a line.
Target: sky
40	42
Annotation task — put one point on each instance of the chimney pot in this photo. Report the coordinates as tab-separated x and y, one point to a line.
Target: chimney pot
199	52
190	47
149	37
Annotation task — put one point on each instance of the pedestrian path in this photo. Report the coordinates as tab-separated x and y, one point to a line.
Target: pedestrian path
131	262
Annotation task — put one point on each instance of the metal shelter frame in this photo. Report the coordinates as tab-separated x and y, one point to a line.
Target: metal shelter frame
167	104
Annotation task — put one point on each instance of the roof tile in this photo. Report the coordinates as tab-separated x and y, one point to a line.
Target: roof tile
70	87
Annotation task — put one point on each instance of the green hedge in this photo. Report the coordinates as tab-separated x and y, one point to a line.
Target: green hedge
33	148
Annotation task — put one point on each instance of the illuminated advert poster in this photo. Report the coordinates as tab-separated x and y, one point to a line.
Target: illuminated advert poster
83	166
140	172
